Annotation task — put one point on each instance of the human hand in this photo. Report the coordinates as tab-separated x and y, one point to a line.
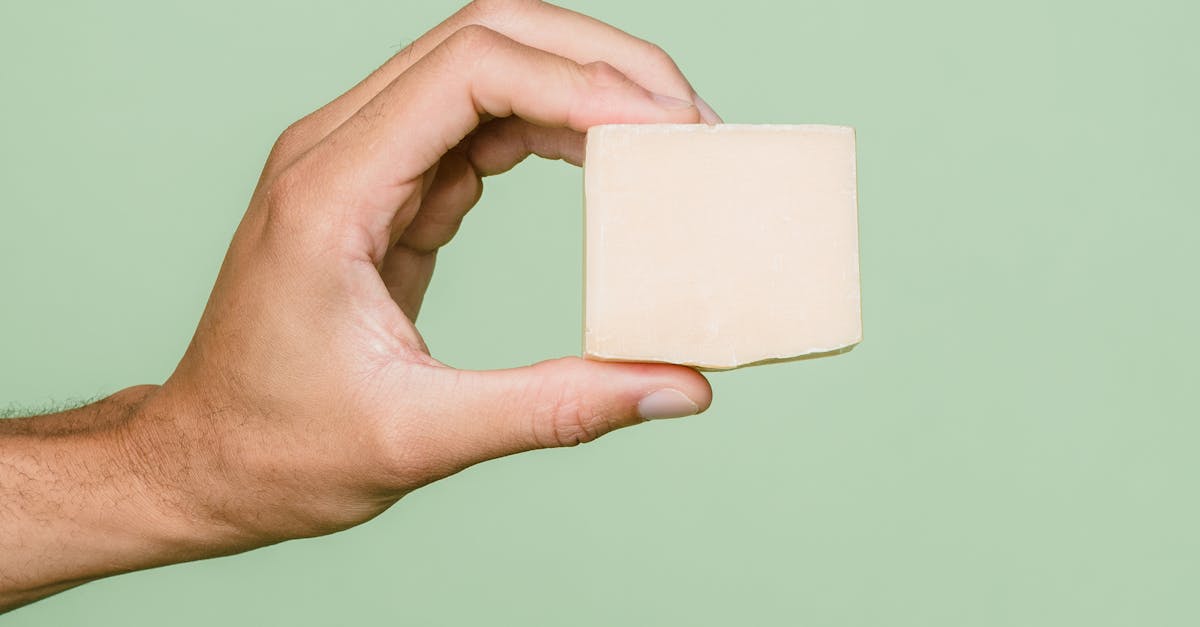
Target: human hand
307	401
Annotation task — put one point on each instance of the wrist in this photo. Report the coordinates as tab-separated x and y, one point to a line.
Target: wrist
88	494
182	474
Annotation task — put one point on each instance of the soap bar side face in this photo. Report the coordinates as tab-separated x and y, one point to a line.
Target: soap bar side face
722	246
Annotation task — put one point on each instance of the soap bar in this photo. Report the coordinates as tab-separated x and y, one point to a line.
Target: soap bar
720	246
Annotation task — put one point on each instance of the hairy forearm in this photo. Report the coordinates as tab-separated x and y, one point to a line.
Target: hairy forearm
78	502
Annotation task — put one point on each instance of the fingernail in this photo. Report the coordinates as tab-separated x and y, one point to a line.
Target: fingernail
706	112
668	102
666	403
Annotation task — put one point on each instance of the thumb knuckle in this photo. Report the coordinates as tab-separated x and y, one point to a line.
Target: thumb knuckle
572	423
564	414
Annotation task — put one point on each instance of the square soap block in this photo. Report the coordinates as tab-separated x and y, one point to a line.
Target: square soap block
720	246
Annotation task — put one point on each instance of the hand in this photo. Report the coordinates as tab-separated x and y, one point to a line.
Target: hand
307	401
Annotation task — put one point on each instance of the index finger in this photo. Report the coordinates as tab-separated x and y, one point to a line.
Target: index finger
537	24
363	171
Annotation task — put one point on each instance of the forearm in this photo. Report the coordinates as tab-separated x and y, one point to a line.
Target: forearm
78	502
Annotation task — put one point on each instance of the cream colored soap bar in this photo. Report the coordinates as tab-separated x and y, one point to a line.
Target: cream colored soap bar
720	246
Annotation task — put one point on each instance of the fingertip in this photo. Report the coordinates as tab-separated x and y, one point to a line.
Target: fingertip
707	114
646	378
694	385
678	110
613	98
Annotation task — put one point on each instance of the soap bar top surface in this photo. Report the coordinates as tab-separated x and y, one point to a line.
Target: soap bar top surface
720	246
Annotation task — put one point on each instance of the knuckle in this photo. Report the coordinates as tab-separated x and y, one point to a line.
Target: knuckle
572	425
291	134
564	417
659	59
290	214
283	195
602	74
657	55
290	140
473	40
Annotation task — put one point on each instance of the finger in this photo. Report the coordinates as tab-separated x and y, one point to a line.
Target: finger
453	192
496	147
585	40
562	402
499	146
373	161
536	24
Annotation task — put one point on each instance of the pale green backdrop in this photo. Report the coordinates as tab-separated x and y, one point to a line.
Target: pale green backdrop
1015	443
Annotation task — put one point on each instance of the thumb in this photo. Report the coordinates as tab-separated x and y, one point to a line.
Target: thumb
564	402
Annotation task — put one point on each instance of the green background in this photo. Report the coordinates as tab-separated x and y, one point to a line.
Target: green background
1015	442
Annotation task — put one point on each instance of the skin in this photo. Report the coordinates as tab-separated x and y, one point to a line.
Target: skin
307	402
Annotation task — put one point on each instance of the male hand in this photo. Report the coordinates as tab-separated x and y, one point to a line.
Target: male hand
307	401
